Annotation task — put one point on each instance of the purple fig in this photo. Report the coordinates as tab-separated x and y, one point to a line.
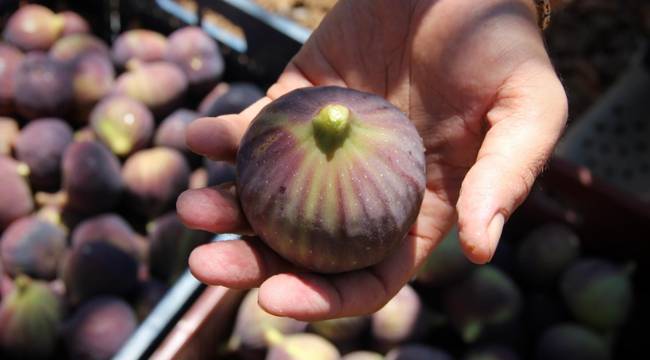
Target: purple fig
10	60
324	169
199	57
170	246
41	145
487	297
33	247
417	352
160	85
91	178
219	172
598	293
43	87
30	316
139	44
446	264
341	330
149	295
15	194
546	252
154	178
70	48
8	134
99	328
33	27
111	228
171	132
230	99
492	352
73	23
571	341
300	347
93	80
125	125
363	355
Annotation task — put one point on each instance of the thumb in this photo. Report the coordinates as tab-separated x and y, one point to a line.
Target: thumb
524	125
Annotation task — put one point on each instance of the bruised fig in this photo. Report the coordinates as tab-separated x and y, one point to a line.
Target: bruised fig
571	341
171	132
73	23
41	145
219	172
230	99
111	228
99	328
341	330
8	133
33	27
300	347
70	48
199	57
446	264
417	352
331	178
139	44
33	247
30	316
10	60
43	87
15	194
154	178
598	293
363	355
93	80
125	125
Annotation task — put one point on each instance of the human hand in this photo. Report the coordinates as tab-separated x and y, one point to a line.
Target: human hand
475	79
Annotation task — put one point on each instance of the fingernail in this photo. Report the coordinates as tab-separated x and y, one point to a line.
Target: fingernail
494	232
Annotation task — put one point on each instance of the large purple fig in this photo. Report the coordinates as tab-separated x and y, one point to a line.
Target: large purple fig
10	60
70	48
30	316
41	145
99	328
110	228
219	172
363	355
15	194
171	132
91	177
417	352
73	23
43	87
33	247
446	264
9	131
331	178
303	346
154	178
93	80
139	44
571	341
230	99
199	57
33	27
125	125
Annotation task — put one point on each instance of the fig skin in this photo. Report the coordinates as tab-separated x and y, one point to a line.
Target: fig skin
41	145
598	293
70	48
9	131
33	27
123	124
15	194
138	44
93	79
73	23
571	341
33	247
446	264
327	198
99	328
91	178
43	87
10	60
154	178
363	355
219	172
417	352
111	228
402	319
303	346
172	130
229	99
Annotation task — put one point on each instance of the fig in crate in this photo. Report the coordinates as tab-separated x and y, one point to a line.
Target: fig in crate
9	131
571	341
93	79
172	130
70	48
446	264
33	27
302	346
110	228
417	352
73	23
15	194
230	98
10	60
138	44
341	331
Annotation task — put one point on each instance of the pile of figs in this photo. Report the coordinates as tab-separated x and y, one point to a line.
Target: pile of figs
92	159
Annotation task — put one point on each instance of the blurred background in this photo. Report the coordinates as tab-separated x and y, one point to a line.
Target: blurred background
95	97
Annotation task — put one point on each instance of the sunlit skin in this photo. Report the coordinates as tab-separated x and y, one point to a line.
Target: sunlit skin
475	79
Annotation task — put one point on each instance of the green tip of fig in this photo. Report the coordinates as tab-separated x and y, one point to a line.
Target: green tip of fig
331	126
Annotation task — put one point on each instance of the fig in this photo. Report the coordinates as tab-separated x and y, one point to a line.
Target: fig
33	247
149	295
33	27
139	44
487	297
125	125
41	145
10	60
170	246
597	293
153	179
73	23
43	87
417	352
446	264
230	99
363	355
341	330
331	178
199	57
70	48
93	79
546	252
219	172
252	323
8	133
300	347
91	178
111	228
99	328
30	316
571	341
493	352
171	132
96	268
15	194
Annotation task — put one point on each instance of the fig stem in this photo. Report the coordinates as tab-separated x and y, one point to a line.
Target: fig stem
331	126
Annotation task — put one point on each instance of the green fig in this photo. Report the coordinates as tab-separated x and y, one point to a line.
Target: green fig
446	264
571	341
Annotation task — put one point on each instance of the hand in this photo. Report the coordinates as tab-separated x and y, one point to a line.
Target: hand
476	80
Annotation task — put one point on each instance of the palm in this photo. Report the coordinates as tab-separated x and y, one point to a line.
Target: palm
457	70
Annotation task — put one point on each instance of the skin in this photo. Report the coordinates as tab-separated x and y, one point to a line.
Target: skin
476	80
